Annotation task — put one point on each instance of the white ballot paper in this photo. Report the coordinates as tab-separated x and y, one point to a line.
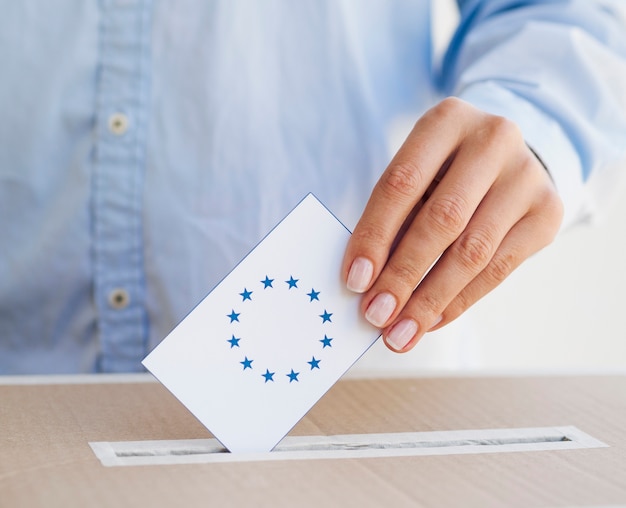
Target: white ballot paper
271	338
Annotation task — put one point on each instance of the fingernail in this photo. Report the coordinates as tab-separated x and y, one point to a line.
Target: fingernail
380	310
401	334
360	275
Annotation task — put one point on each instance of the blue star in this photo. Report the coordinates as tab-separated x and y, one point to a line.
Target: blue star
293	283
269	376
326	316
234	316
267	283
234	342
313	294
247	364
246	294
326	341
293	376
315	364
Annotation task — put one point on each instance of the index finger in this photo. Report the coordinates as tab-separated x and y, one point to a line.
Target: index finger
434	137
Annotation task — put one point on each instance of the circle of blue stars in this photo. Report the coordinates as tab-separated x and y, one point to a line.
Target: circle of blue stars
293	376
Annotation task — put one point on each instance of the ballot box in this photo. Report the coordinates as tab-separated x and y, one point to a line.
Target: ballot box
441	441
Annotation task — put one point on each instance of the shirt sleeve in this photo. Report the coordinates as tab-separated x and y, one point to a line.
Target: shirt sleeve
557	69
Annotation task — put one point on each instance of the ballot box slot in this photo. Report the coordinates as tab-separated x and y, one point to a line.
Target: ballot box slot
214	447
201	449
126	453
421	444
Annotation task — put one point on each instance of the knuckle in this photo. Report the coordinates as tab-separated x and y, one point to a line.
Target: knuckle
553	211
405	273
547	207
458	306
501	129
432	303
371	234
446	213
547	213
447	112
450	107
500	267
401	179
475	250
531	173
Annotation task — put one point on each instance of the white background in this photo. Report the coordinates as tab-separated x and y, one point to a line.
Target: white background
564	308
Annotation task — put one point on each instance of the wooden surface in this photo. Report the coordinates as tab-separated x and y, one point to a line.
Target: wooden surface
45	459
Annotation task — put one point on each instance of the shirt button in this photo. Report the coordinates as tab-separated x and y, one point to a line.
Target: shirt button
118	123
119	298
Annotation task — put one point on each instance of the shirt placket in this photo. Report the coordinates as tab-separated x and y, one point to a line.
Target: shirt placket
118	178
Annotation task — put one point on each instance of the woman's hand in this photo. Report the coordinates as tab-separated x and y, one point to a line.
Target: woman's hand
464	194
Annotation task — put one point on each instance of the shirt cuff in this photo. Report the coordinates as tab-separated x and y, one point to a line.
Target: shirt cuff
547	140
